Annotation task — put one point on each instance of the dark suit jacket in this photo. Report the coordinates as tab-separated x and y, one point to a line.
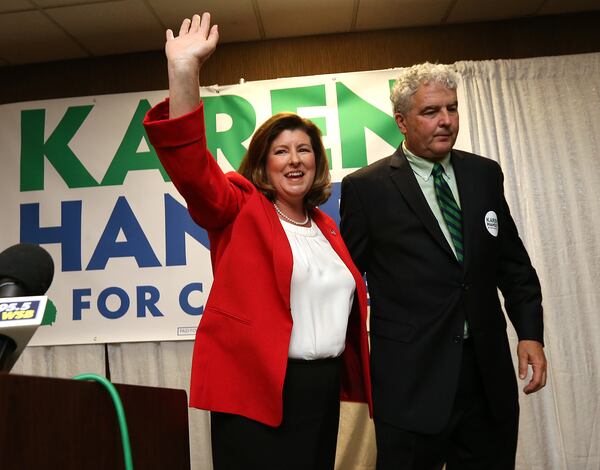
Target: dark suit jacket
421	295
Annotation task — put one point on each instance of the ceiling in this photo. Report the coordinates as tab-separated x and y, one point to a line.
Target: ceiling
50	30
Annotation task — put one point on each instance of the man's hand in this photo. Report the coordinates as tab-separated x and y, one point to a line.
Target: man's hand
532	353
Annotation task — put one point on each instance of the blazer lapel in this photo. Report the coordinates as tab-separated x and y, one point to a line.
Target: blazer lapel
335	240
403	177
283	261
467	195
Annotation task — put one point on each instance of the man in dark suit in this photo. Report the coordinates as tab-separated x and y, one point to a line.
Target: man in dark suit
430	227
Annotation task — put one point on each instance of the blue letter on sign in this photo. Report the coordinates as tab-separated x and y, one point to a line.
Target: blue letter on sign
68	234
137	245
178	223
78	303
184	299
149	303
119	311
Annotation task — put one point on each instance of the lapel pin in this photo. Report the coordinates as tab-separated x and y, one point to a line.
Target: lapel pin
333	232
491	223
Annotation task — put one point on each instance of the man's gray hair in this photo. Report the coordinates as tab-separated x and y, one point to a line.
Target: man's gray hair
411	78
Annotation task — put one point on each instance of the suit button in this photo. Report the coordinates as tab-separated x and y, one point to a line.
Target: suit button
465	286
457	339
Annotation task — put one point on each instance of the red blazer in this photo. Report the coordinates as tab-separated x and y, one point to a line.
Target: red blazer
241	348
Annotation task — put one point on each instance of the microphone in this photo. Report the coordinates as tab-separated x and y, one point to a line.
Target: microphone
26	272
25	269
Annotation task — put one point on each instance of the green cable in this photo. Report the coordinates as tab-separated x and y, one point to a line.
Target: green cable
120	414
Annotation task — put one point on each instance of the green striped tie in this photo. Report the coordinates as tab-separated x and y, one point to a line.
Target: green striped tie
450	210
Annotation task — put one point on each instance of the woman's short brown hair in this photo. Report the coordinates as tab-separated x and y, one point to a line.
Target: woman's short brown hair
254	163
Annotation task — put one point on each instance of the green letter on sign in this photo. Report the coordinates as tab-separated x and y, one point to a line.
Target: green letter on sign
290	99
355	116
243	122
55	149
127	157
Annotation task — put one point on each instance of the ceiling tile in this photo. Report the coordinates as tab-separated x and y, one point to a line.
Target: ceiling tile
382	14
63	3
102	27
489	10
28	37
117	27
236	18
563	6
306	17
15	5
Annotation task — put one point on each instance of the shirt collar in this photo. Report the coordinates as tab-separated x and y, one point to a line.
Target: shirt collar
423	167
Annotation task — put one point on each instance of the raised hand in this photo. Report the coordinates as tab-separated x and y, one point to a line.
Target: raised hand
196	41
186	53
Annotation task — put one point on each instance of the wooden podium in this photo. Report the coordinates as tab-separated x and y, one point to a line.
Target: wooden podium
48	424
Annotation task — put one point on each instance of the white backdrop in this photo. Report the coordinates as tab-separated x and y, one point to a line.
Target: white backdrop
540	118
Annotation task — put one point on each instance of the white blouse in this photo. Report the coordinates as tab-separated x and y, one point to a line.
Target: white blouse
321	295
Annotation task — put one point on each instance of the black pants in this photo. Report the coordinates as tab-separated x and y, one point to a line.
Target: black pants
472	439
307	436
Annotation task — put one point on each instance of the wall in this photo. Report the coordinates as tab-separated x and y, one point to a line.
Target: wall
260	60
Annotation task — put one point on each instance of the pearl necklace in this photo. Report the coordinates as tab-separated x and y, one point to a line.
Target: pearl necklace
289	219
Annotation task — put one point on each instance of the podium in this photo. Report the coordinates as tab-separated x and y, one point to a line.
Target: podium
48	424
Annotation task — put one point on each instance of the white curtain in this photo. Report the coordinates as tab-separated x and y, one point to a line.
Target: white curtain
61	361
540	119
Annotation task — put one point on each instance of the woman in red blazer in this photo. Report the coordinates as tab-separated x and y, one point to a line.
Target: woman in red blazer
283	335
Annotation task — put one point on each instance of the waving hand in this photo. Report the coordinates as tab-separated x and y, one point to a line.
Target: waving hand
186	53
